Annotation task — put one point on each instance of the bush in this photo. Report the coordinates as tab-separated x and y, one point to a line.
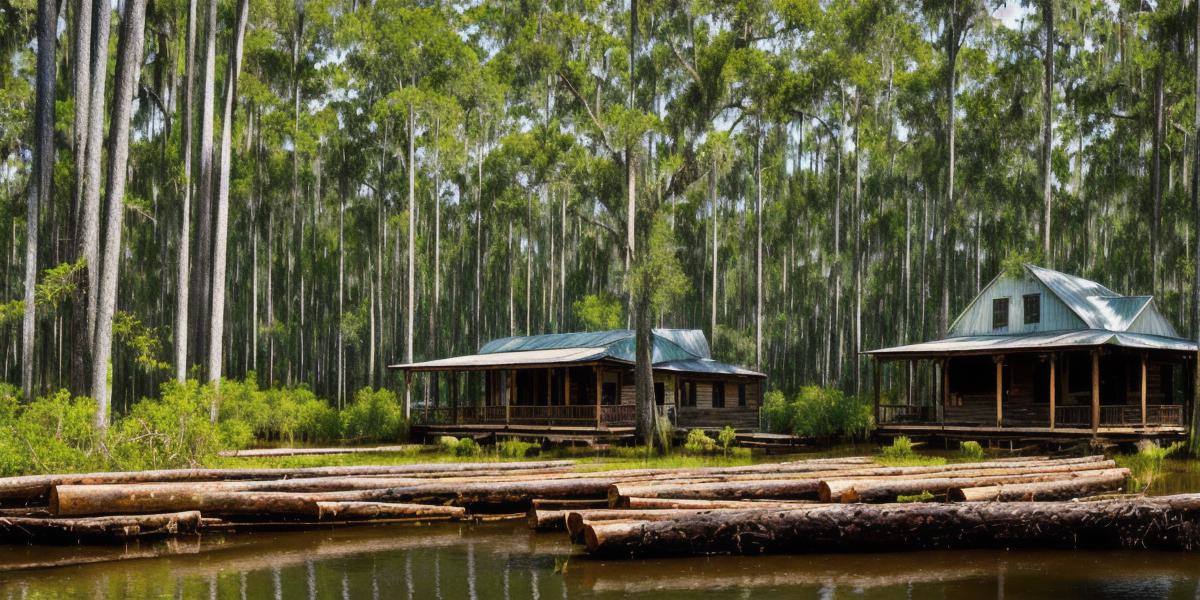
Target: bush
818	412
447	444
1146	465
173	430
699	443
516	449
971	450
727	437
467	447
901	449
375	415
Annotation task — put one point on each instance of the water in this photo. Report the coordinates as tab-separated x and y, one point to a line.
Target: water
504	560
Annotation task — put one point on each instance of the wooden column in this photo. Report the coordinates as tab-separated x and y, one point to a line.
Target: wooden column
945	387
878	366
1143	390
599	389
1095	390
407	395
431	375
1053	387
999	360
509	382
567	385
453	376
549	388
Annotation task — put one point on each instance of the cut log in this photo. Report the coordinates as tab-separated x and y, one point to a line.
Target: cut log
548	504
1042	491
887	490
81	500
97	529
333	511
1162	523
625	502
36	488
268	452
763	489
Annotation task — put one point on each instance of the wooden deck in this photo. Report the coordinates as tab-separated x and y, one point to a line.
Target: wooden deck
529	432
1032	434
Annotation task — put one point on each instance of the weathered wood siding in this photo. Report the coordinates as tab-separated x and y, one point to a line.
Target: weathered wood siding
977	318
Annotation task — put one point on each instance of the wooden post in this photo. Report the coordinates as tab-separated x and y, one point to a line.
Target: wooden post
509	381
567	385
878	365
1095	390
407	395
549	388
945	387
433	374
999	360
599	389
1143	390
1053	387
454	393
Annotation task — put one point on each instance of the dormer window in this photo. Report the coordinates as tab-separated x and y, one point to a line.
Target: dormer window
999	313
1033	309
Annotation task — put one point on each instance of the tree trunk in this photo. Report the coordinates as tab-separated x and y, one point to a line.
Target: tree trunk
129	70
221	228
849	491
185	229
1113	524
948	215
712	199
758	253
1194	438
1042	491
1047	127
200	289
412	249
334	511
89	212
98	529
1156	177
41	185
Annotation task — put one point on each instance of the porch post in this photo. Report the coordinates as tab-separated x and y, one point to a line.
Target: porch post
1053	387
1095	390
999	360
599	389
509	380
433	374
945	387
567	385
1143	390
549	386
407	395
878	366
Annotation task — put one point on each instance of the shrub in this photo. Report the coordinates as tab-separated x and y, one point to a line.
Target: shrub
818	412
699	443
727	437
467	447
516	449
924	496
901	449
447	444
173	430
56	435
971	450
375	415
1146	465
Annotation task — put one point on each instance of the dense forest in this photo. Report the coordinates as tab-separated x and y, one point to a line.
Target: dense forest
311	190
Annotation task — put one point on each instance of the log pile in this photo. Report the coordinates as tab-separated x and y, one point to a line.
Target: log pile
554	495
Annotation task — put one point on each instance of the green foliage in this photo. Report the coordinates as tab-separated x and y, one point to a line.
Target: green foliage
467	447
516	449
11	312
447	444
598	312
1146	464
902	454
51	434
661	272
727	437
144	341
924	496
58	283
172	430
970	450
818	412
699	443
374	415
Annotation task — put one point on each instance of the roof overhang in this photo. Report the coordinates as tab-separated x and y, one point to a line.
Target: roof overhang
501	360
1036	342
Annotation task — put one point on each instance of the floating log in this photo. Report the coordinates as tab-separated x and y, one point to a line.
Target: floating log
1042	491
1161	523
551	504
625	502
85	500
332	511
36	488
874	490
98	529
762	489
266	452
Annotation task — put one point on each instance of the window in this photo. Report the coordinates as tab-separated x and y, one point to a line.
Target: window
608	393
660	393
689	393
741	394
1033	309
999	313
718	395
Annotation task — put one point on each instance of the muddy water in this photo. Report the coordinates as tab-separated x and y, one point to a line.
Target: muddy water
505	560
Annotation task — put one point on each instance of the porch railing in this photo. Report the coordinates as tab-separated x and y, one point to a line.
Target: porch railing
623	414
906	413
1124	415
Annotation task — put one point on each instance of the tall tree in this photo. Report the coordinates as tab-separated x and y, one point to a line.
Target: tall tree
183	268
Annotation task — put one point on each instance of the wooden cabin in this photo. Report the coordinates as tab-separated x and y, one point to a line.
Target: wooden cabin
582	384
1045	355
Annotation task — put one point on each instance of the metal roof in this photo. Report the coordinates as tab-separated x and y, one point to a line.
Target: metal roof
680	350
1098	306
988	344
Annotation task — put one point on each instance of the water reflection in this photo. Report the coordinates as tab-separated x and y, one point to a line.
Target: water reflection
503	560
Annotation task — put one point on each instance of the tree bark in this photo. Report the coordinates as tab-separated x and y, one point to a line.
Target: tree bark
41	185
98	529
872	491
1047	126
1163	523
202	269
1042	491
221	227
183	271
333	511
129	70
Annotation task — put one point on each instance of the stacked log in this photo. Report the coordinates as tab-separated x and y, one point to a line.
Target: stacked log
124	528
1165	523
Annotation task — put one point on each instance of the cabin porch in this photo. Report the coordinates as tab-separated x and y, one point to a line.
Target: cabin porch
1114	392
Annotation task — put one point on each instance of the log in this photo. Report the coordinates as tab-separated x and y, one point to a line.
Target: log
1042	491
762	489
332	511
267	452
1161	523
80	501
549	504
875	490
36	488
626	502
98	529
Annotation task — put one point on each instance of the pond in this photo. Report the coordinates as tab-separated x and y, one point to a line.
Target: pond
505	560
